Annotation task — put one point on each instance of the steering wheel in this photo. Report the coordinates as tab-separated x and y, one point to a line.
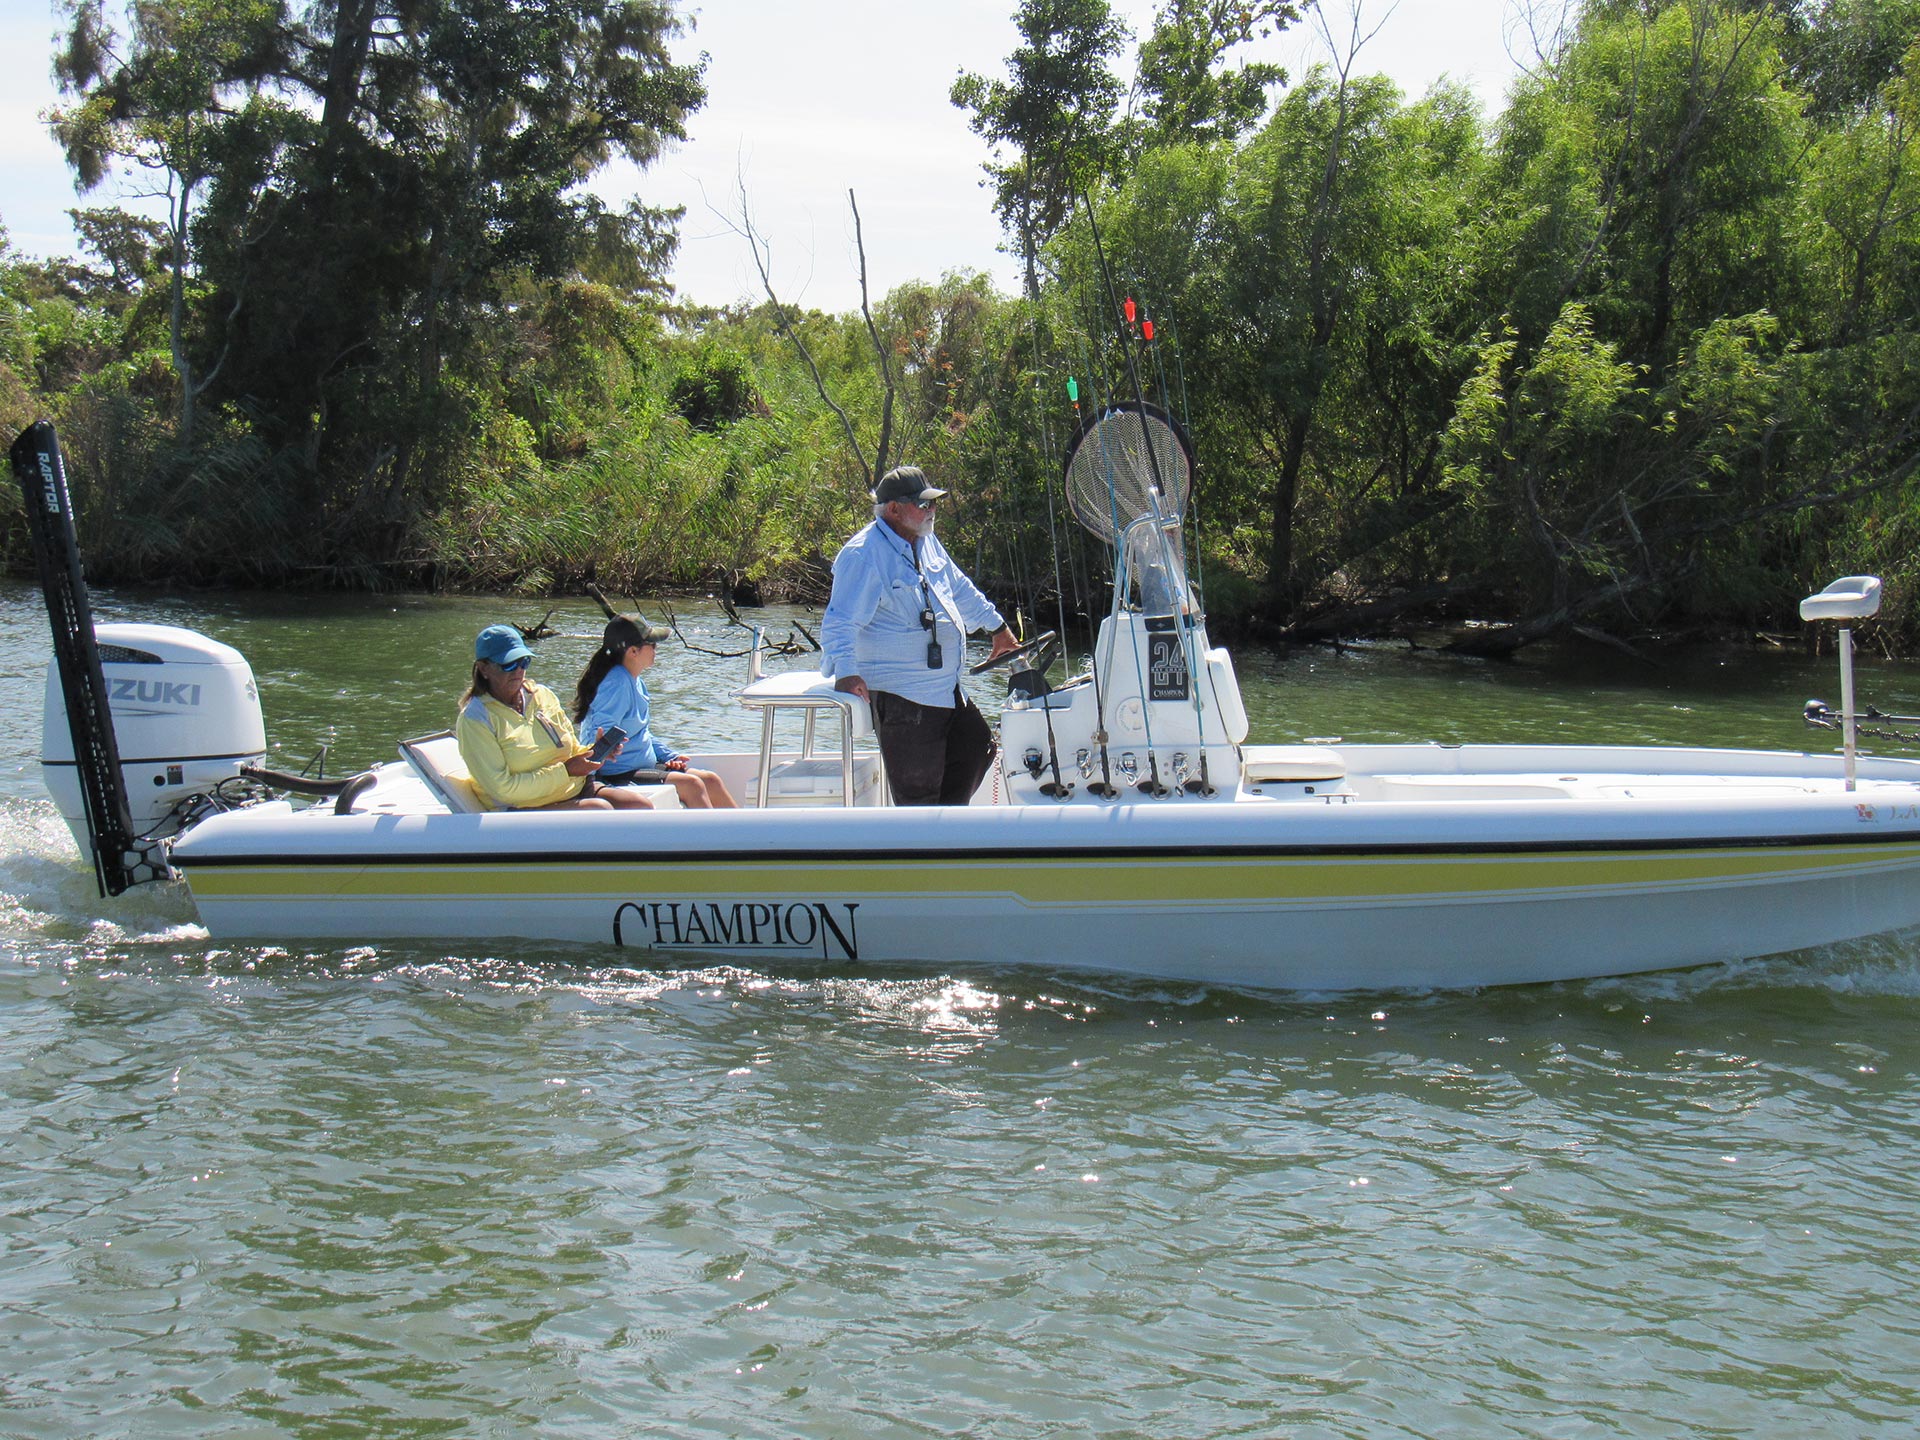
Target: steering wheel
1019	652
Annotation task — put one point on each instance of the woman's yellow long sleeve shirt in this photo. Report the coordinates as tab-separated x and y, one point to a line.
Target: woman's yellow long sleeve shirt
519	761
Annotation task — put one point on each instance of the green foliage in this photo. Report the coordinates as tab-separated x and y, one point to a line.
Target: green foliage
1053	113
1644	353
713	391
132	247
353	198
1656	164
1843	52
1187	95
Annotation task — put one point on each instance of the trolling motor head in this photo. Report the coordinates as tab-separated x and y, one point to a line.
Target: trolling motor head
1855	597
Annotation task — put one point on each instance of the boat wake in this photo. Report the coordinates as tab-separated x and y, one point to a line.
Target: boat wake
49	900
1878	966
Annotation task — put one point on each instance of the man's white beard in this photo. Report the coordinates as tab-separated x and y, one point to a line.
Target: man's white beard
918	528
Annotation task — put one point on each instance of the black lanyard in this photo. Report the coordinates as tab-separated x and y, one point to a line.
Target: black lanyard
926	595
929	613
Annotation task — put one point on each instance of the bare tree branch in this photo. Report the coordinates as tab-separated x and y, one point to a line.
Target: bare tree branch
788	646
879	350
757	243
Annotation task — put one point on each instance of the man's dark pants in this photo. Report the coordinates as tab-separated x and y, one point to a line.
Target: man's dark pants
935	754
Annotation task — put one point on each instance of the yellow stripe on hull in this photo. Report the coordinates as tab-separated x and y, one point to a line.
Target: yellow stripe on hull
1040	881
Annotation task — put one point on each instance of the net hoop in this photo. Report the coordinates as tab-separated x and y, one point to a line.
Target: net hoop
1117	458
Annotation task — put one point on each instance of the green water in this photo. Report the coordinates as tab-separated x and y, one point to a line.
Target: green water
485	1190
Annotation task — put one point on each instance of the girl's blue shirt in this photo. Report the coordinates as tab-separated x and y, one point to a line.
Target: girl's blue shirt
622	700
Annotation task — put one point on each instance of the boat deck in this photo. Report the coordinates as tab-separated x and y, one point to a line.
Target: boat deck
1293	776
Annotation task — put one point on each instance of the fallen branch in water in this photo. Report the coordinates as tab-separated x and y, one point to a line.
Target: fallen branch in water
789	646
539	631
598	594
792	645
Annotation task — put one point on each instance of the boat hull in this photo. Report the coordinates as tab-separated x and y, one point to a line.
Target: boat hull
1314	897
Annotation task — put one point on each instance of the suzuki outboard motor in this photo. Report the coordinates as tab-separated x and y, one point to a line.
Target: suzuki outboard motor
186	716
141	721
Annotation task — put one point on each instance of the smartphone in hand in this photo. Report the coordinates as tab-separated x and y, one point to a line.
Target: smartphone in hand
611	739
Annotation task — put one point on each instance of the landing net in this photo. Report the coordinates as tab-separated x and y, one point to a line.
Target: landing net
1116	462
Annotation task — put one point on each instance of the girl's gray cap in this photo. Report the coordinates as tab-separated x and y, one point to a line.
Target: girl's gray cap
624	630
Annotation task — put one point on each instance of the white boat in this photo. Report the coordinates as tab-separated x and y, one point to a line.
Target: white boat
1127	827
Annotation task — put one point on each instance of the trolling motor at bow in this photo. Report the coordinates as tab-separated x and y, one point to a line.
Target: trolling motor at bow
1854	597
1820	716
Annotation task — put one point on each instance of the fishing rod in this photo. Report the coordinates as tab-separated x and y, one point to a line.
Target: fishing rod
1104	786
1186	418
1125	317
1126	347
1101	735
1046	446
1155	347
1060	788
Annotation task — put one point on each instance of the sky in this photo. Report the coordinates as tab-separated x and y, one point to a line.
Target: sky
807	102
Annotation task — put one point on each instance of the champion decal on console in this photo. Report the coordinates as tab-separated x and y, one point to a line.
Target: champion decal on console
796	926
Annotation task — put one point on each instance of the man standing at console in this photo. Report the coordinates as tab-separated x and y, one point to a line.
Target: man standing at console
895	634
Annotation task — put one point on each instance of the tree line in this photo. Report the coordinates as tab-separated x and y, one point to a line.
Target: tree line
1639	355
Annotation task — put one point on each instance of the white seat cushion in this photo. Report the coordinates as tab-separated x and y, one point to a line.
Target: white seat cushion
801	688
1292	764
436	760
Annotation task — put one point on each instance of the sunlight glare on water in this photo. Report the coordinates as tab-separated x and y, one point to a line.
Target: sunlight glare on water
498	1189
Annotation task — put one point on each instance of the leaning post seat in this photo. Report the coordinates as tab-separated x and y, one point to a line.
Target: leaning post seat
808	776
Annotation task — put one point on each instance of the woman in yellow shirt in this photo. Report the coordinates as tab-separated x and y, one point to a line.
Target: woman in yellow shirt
516	741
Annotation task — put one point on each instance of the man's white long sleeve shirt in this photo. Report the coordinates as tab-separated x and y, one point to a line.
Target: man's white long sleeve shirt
881	584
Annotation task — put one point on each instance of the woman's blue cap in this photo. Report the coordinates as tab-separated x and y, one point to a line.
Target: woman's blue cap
501	644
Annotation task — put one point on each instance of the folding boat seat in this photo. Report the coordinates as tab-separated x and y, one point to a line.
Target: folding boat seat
436	760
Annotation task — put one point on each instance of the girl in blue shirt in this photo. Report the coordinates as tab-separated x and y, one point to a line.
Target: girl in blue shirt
611	693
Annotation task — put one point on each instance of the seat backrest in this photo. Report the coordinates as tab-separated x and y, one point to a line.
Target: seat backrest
436	760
